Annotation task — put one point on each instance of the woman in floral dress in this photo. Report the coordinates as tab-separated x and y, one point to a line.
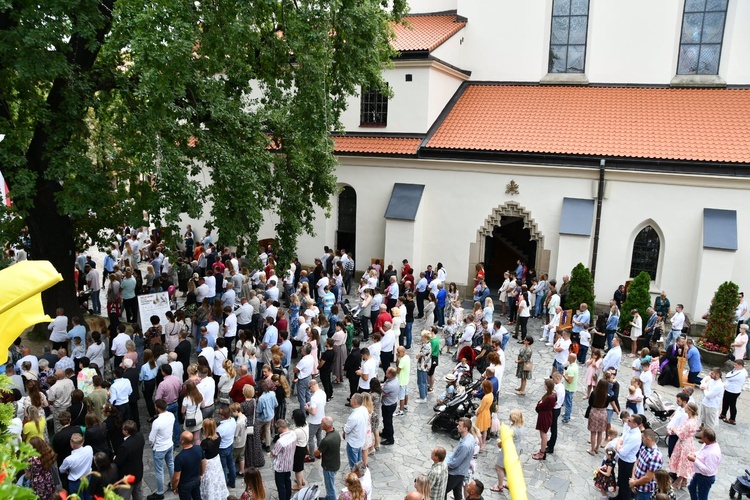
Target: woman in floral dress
679	463
40	469
450	303
254	456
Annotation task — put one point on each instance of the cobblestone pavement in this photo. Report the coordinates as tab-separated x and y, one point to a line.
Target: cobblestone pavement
566	474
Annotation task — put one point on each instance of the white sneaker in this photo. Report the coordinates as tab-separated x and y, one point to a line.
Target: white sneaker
549	344
398	413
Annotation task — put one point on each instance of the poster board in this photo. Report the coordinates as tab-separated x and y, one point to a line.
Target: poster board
153	304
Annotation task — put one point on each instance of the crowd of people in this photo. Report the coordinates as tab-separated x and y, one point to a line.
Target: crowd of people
242	375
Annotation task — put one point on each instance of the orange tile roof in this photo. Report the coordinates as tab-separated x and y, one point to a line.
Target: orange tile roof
661	123
376	145
425	32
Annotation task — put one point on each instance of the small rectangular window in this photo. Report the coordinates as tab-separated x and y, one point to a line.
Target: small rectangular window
701	38
567	46
373	110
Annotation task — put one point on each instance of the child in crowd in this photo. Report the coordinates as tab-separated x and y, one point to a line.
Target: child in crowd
654	366
449	332
78	351
462	369
613	439
594	365
605	475
644	353
658	328
450	389
646	377
635	396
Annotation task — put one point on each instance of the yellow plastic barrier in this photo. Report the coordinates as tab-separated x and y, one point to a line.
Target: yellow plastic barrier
21	299
513	469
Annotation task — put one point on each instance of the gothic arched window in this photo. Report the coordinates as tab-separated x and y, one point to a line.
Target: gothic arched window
645	253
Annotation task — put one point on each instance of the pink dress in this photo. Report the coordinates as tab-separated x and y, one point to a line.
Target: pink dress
679	463
314	354
592	370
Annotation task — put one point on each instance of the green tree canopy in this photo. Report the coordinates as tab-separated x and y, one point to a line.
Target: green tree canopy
639	297
116	108
721	326
581	289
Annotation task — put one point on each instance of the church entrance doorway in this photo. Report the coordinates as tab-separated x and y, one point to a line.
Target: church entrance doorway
346	232
509	242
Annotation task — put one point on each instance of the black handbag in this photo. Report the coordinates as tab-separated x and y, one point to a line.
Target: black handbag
192	422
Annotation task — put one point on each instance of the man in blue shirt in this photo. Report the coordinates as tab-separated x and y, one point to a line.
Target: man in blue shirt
581	320
519	271
460	460
79	331
694	363
440	308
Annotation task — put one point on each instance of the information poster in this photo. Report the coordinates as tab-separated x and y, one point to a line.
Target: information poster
153	304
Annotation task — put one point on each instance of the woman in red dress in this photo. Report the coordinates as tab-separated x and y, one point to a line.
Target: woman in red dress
544	408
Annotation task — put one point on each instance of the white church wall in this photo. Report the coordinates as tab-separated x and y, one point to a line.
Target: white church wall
429	6
735	52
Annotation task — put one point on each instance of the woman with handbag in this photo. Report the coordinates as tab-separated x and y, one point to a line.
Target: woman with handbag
544	409
524	365
254	456
192	410
597	414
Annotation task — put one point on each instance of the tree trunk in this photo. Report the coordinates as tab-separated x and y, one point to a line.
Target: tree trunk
52	239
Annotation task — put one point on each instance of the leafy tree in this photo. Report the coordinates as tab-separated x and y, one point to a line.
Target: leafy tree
581	288
722	324
113	109
639	297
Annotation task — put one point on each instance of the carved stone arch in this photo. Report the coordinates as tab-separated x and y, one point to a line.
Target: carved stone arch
514	210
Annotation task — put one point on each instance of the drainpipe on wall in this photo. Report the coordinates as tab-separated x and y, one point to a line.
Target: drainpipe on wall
598	223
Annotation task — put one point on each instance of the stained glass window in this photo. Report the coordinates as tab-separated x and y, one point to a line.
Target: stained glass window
645	253
567	46
701	38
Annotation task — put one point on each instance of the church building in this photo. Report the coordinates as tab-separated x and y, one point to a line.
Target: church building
616	134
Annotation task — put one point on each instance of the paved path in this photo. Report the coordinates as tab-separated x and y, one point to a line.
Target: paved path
566	474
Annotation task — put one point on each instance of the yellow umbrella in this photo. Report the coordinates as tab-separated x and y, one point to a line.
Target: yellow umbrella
21	299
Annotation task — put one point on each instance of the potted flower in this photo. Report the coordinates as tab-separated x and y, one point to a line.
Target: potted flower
721	326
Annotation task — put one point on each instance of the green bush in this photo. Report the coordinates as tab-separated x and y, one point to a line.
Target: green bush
581	289
638	298
722	324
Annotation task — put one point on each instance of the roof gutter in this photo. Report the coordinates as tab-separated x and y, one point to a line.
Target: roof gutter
598	223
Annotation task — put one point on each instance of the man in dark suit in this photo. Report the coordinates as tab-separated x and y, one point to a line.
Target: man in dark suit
351	365
129	457
61	442
183	350
131	373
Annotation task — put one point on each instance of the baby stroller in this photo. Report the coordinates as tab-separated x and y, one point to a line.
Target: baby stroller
471	358
661	413
307	493
354	313
447	414
741	486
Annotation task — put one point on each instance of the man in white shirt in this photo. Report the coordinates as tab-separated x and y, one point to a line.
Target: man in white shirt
212	328
119	393
367	372
177	368
678	323
244	315
550	328
207	352
78	463
561	349
355	429
59	330
322	283
713	390
270	339
229	297
226	430
560	392
207	388
202	290
303	372
678	418
230	328
210	281
387	345
272	292
59	395
365	478
272	310
160	438
469	330
316	411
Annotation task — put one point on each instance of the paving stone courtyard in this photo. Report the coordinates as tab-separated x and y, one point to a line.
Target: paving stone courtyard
565	475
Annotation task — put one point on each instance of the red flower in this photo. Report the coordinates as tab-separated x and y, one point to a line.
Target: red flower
130	479
64	495
97	497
